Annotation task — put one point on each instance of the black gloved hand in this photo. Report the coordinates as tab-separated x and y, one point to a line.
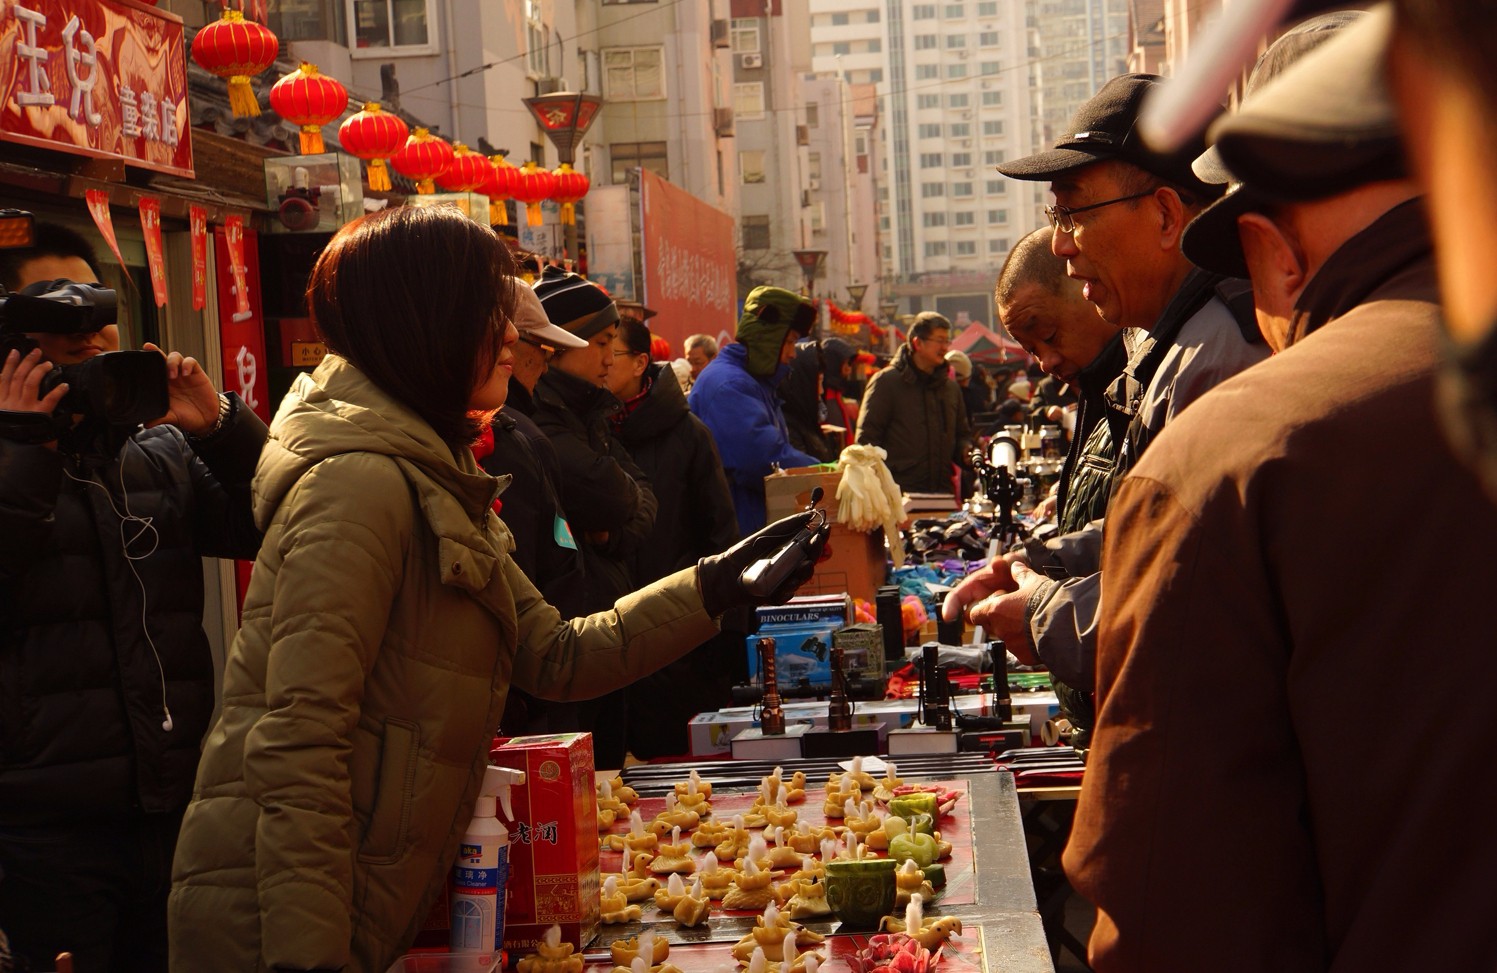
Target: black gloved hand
718	574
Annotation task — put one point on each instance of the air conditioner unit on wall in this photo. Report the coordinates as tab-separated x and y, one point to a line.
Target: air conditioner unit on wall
813	183
720	37
751	60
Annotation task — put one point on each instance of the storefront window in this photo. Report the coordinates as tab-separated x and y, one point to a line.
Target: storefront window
392	26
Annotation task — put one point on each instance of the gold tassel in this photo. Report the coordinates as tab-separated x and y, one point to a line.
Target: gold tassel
242	97
311	140
568	214
498	213
425	187
533	214
379	176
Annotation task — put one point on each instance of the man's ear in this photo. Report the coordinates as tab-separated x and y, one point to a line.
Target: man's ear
1275	253
1173	218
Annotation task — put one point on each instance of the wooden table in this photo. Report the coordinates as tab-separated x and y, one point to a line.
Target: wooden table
991	891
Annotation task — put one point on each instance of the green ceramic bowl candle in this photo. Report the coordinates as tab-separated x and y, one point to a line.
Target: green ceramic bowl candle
861	891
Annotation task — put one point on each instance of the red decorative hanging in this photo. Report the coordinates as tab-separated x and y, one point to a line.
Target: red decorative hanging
422	159
535	185
309	99
237	49
466	173
503	180
374	135
571	186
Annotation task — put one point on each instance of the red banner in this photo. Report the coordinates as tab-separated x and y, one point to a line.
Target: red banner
150	225
197	221
234	234
103	78
689	264
98	208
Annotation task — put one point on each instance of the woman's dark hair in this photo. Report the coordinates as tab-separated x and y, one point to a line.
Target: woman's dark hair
418	299
635	335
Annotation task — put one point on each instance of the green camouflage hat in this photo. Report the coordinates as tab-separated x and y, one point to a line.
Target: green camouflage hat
768	313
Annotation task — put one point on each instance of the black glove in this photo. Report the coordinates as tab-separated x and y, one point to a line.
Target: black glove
718	575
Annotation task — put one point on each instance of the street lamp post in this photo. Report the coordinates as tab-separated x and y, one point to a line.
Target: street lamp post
811	262
565	116
890	308
855	293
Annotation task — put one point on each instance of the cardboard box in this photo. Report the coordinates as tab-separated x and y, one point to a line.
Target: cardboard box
857	564
553	850
789	491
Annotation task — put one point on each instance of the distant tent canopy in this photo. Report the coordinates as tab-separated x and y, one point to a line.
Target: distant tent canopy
983	344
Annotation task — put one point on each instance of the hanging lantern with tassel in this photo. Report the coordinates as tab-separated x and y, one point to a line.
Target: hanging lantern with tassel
466	173
237	49
503	180
309	99
571	186
535	185
422	159
374	135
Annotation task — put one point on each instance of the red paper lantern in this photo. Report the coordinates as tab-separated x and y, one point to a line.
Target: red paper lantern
234	48
535	185
503	180
467	171
374	135
309	99
422	159
571	186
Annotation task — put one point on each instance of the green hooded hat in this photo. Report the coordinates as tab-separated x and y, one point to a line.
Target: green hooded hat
768	313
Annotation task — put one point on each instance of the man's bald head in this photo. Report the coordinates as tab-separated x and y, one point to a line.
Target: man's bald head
1031	262
1045	311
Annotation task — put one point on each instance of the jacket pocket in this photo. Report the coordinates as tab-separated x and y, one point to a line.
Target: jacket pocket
385	839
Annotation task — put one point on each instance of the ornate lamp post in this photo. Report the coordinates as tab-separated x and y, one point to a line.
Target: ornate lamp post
566	117
855	293
810	264
890	308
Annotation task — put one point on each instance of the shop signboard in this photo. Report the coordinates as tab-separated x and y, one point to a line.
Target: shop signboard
104	78
241	334
689	263
610	241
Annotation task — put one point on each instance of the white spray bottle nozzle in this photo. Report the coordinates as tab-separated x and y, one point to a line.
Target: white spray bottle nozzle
497	782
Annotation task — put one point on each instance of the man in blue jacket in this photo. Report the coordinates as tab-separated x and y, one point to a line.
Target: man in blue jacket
735	397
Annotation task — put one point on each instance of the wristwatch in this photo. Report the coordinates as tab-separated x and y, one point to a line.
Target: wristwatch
226	409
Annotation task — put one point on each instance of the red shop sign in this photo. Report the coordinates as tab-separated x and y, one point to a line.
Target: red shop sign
102	78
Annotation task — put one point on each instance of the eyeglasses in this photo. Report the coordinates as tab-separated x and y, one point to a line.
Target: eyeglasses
547	350
1063	218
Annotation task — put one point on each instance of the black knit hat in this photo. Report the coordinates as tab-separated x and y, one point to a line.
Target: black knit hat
1103	129
574	303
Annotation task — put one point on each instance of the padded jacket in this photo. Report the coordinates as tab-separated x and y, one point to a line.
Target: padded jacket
920	421
384	624
81	688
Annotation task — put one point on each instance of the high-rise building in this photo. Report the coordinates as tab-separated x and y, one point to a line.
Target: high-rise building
1078	46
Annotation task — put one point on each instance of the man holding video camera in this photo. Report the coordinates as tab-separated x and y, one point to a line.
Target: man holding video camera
106	679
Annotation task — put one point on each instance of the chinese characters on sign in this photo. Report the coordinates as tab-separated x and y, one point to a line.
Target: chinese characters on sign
526	833
95	77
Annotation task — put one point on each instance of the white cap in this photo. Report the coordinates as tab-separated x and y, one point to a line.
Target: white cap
530	317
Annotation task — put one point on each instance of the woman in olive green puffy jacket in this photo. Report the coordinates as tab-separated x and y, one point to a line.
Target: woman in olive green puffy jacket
385	620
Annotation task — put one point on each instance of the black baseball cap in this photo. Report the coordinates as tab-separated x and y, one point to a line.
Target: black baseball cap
1105	128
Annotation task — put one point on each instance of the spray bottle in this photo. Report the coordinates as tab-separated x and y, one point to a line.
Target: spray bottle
482	868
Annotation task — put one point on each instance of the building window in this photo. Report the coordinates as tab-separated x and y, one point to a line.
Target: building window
932	219
961	159
992	157
988	38
751	165
928	131
930	160
873	76
956	101
841	47
966	248
955	41
992	127
756	233
923	11
997	216
309	20
961	189
748	100
745	36
935	248
996	187
389	25
998	245
875	46
954	11
839	19
537	41
813	115
956	70
959	130
990	68
926	71
883	222
813	165
964	218
924	102
925	42
634	73
929	190
635	155
871	16
992	98
987	8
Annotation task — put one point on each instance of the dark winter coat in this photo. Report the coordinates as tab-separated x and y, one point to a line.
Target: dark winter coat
81	687
802	405
919	420
601	487
1086	477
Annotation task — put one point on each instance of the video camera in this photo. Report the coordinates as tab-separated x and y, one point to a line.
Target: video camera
121	388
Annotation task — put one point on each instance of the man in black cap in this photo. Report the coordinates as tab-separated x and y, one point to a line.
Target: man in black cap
1226	824
1119	215
914	411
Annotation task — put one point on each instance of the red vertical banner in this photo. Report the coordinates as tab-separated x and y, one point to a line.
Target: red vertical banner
197	221
150	225
234	234
98	208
